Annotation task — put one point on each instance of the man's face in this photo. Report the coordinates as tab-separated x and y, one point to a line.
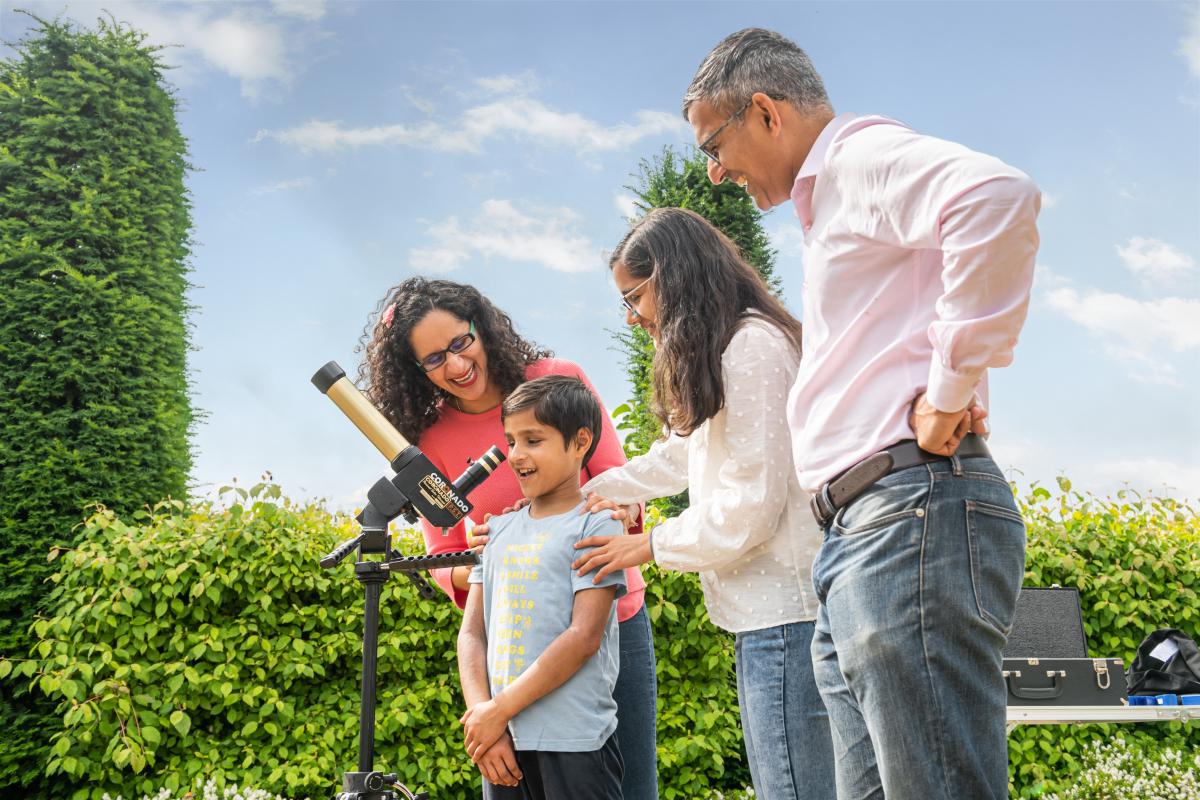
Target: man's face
744	150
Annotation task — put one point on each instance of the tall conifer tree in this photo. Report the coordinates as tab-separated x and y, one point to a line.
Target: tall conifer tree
94	240
674	181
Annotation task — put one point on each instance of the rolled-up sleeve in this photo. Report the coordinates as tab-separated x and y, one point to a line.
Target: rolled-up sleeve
659	472
989	242
979	215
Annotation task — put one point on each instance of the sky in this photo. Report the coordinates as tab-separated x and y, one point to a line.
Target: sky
343	147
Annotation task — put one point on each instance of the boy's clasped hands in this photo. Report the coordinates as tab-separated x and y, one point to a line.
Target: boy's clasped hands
488	743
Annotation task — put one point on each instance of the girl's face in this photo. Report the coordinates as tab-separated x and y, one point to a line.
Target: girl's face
463	374
639	300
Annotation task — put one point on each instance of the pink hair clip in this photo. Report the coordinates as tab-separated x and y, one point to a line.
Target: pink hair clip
386	319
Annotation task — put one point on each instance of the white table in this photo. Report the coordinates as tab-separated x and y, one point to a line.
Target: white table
1066	715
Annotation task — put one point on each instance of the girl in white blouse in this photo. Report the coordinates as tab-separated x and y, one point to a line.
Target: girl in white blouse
726	353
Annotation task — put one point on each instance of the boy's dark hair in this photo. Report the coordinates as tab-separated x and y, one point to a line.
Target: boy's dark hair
563	402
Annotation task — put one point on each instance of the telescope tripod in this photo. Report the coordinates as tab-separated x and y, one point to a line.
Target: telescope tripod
367	783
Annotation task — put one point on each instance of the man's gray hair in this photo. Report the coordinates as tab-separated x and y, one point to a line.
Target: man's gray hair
756	60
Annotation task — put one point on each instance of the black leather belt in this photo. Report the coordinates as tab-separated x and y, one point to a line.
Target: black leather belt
842	490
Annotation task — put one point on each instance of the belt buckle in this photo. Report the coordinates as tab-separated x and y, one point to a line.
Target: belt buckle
819	513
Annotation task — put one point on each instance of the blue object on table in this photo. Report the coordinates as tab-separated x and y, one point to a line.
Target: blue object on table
1166	700
1140	700
1189	699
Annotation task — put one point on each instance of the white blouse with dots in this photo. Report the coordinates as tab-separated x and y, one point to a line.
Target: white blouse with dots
748	530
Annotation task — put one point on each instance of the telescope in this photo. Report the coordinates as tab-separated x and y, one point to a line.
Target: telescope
417	490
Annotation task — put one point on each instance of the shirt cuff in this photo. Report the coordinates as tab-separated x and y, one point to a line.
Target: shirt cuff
948	390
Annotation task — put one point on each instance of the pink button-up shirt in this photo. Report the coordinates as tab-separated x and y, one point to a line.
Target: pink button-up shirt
918	261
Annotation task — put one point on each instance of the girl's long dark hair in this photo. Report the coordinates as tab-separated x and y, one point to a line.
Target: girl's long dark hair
389	375
703	292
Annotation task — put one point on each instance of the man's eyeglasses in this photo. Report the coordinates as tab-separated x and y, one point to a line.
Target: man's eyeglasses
706	145
457	345
630	306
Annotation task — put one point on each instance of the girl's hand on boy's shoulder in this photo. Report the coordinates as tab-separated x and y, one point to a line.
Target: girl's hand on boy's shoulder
499	763
612	553
627	515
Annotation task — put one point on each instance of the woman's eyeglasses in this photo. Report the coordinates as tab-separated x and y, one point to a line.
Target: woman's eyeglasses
457	345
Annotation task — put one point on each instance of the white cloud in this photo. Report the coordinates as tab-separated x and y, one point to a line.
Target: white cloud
1150	258
1144	324
1179	480
1046	278
521	83
626	205
523	117
1189	45
1050	200
241	44
786	237
1135	332
283	186
549	237
309	10
1038	459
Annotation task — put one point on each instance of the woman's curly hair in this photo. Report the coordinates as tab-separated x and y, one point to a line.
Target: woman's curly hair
389	375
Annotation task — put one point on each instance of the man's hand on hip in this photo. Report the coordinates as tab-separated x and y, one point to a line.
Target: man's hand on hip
941	432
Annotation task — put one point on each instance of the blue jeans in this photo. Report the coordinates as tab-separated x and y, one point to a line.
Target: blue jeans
784	722
637	703
918	580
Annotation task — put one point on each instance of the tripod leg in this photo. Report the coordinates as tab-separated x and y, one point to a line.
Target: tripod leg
366	736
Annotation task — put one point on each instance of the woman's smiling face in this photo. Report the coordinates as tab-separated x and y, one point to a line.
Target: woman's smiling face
465	374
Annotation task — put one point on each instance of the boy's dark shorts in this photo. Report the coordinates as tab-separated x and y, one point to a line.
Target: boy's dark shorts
595	775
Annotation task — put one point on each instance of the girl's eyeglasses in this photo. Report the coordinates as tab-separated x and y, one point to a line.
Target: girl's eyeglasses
628	306
457	345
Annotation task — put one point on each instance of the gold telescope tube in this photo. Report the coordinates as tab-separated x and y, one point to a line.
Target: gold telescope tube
332	381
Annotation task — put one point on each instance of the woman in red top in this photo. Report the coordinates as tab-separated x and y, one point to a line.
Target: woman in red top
438	364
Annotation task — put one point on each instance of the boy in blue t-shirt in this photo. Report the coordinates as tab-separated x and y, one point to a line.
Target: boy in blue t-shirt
537	651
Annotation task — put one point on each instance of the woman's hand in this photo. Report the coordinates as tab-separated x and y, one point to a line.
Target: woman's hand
626	514
613	553
484	723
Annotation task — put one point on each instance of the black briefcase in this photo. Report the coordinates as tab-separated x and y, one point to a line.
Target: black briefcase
1065	681
1046	657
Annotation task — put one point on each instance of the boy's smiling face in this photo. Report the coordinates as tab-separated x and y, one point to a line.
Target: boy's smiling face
542	461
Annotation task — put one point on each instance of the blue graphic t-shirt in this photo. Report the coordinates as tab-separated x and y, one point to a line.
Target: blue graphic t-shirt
528	594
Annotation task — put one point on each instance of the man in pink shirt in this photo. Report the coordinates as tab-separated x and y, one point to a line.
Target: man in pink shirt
918	260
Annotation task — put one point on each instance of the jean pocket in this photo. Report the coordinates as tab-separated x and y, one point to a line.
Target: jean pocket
882	505
996	536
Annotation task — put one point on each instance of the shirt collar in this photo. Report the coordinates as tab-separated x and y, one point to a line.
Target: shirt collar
813	164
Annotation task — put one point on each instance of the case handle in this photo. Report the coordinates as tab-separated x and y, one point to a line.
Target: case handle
1055	689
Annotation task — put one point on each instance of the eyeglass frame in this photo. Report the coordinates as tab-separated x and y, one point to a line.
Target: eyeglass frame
448	351
703	148
628	306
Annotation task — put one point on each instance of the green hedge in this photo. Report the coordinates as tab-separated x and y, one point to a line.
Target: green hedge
205	641
94	225
1136	563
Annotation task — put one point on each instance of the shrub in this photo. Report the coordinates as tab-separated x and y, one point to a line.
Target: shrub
1136	563
1118	770
208	790
206	642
